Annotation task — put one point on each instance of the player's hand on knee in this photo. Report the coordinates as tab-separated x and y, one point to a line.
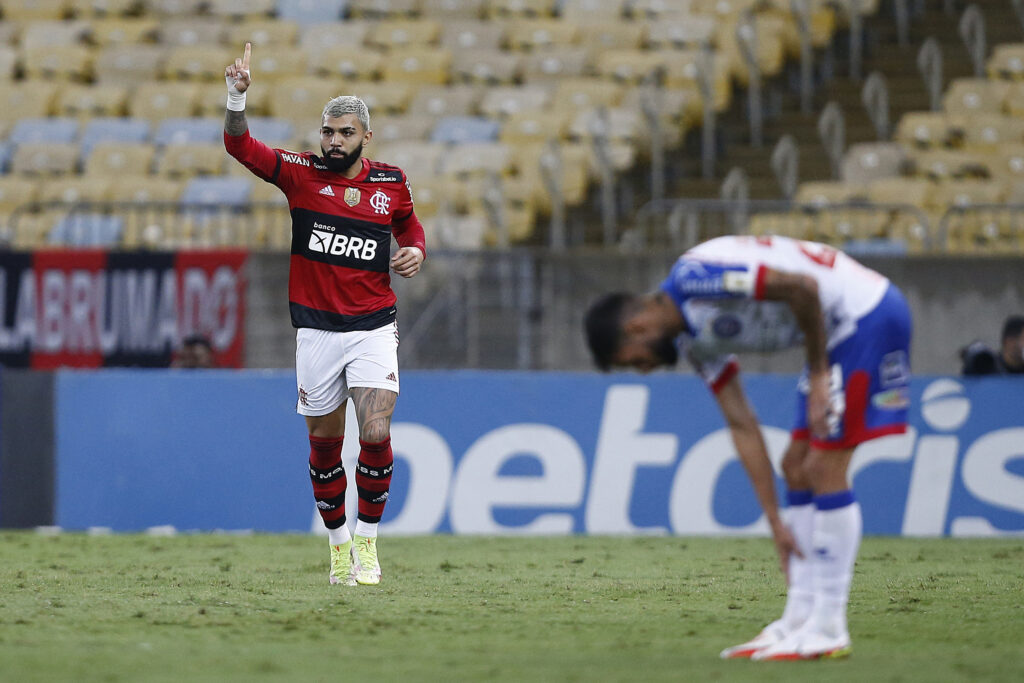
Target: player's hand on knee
237	75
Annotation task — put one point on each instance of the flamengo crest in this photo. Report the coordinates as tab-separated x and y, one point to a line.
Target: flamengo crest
351	196
380	202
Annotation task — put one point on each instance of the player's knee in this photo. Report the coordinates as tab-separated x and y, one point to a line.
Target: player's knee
375	431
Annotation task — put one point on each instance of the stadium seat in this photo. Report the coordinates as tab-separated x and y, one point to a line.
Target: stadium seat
130	63
656	10
824	193
274	132
192	31
683	31
503	101
417	65
453	231
191	159
302	100
156	101
454	10
538	34
197	63
216	192
870	160
94	100
585	11
462	129
439	100
343	61
631	66
530	127
119	159
488	67
61	62
35	10
87	230
53	130
913	191
682	71
989	132
417	159
505	9
472	35
527	161
175	8
27	100
394	34
622	125
44	158
584	93
16	191
146	190
620	35
947	165
1008	165
680	108
970	96
123	31
347	34
402	127
1007	61
112	8
54	33
123	130
6	152
8	64
241	9
385	97
277	64
274	34
28	230
557	63
311	11
383	9
931	129
182	131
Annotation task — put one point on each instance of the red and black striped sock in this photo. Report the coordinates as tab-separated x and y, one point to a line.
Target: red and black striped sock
373	478
328	477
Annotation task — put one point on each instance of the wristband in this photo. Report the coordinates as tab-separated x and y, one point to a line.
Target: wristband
236	100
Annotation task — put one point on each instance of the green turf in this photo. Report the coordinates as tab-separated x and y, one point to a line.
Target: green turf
259	608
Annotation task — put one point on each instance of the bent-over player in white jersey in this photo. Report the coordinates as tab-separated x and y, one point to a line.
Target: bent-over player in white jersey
765	294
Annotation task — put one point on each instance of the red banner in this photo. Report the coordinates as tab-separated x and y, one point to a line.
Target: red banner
91	308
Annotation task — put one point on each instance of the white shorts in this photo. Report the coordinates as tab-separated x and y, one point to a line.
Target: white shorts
329	364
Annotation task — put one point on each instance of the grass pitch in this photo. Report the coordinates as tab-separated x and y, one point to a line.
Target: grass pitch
259	608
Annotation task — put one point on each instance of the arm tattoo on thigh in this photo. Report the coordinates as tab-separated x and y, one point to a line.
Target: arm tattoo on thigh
374	408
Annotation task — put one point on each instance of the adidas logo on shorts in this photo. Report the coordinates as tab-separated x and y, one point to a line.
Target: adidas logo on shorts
391	378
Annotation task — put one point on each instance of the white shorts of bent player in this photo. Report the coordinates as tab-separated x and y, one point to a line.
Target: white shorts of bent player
328	365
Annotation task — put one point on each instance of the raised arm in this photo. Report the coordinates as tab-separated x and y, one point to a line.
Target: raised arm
800	292
750	446
238	80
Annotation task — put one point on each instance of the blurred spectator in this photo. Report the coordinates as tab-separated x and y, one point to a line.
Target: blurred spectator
979	359
195	352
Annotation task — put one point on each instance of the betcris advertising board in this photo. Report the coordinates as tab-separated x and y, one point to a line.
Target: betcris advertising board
516	453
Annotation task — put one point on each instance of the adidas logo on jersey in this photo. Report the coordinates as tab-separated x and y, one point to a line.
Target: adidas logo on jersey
327	190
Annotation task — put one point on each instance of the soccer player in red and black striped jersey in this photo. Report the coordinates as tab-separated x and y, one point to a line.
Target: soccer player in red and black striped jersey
345	210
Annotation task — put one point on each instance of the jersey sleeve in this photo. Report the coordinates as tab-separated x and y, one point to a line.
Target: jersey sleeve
693	278
263	161
407	229
717	371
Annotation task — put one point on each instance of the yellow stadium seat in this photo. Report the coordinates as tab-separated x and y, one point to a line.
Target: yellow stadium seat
31	229
389	128
1007	61
241	9
122	159
417	65
869	160
682	31
384	9
111	8
16	191
976	229
946	164
419	160
930	129
10	32
913	191
617	35
123	31
680	108
277	64
302	100
44	158
631	66
586	11
970	96
535	34
348	34
274	34
8	63
989	132
383	97
75	189
682	71
197	63
158	100
393	34
486	66
721	8
67	62
174	8
193	31
341	60
86	101
54	33
574	177
146	189
186	161
1008	164
503	101
504	9
824	193
623	125
440	100
584	93
28	101
770	55
531	127
472	35
557	63
35	10
130	63
454	10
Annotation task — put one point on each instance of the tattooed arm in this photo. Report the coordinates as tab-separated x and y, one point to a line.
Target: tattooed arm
238	81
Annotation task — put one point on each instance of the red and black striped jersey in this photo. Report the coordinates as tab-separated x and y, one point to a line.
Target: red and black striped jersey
341	234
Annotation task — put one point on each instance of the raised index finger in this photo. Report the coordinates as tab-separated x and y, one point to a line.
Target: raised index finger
245	56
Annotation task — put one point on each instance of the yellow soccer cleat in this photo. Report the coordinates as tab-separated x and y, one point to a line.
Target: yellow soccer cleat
365	567
341	564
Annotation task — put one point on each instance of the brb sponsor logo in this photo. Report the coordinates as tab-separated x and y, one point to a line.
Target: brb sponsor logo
349	246
607	471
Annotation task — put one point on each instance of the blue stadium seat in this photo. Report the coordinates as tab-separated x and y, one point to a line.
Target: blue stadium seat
271	130
460	129
6	151
216	190
311	11
189	131
52	129
113	129
87	230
